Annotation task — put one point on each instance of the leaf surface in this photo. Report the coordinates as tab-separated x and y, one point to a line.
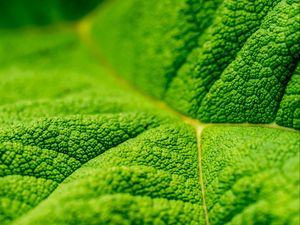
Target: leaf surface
190	139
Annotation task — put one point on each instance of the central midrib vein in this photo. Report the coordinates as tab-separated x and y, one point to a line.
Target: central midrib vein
199	130
83	30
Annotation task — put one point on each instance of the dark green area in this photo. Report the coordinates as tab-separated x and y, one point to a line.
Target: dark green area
18	13
289	111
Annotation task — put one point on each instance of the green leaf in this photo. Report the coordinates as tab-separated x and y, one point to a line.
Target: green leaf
251	175
81	145
231	62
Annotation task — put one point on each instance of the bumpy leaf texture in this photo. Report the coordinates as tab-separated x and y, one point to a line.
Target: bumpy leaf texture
204	132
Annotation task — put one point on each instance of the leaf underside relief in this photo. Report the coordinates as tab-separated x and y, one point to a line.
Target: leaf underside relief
150	112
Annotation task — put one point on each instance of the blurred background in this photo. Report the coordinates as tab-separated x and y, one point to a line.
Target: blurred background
18	13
